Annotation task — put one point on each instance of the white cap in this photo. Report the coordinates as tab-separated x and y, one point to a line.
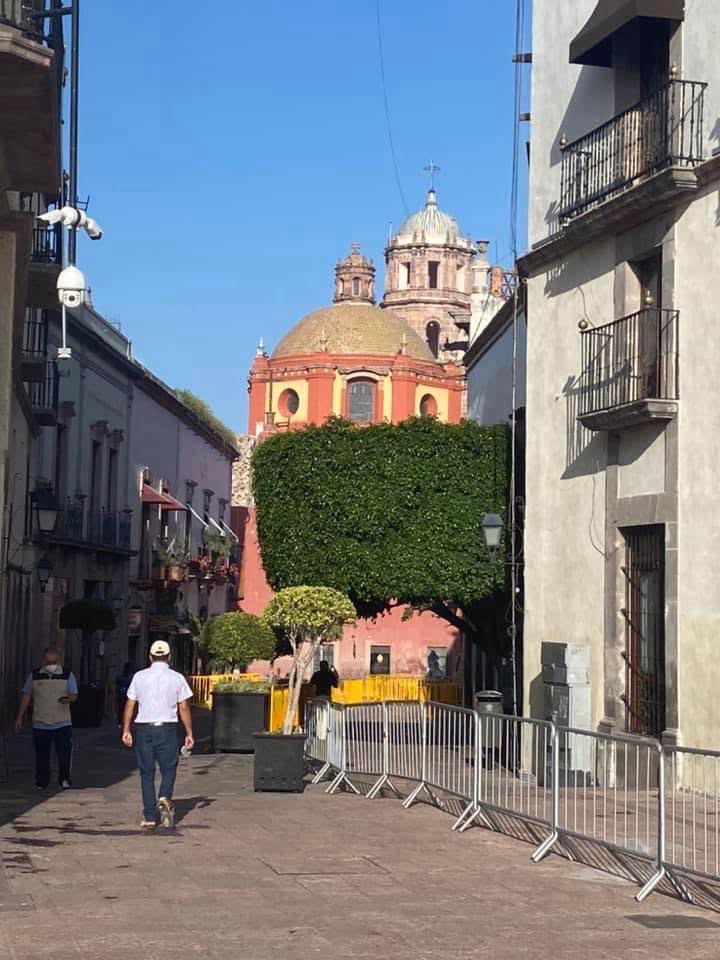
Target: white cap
161	648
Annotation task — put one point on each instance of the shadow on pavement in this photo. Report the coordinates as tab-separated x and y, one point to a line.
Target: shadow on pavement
99	761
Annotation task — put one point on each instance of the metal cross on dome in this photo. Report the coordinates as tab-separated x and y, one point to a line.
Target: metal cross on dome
432	168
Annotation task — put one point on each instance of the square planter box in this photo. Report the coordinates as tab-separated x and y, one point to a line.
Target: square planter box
236	718
280	762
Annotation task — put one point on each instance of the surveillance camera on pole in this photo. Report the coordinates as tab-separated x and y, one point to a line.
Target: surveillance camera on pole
72	286
72	292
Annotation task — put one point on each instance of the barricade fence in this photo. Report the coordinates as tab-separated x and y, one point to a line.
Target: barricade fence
657	805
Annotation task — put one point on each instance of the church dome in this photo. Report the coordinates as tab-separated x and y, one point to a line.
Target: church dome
429	225
349	328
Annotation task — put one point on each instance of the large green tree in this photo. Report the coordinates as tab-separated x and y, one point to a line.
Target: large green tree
387	514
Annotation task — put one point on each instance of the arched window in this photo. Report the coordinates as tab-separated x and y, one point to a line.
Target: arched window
428	406
432	337
356	287
288	403
361	401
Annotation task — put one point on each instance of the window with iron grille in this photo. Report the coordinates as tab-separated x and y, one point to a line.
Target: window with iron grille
361	401
645	630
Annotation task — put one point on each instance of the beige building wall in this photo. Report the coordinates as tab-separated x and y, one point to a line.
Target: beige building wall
584	489
565	507
698	291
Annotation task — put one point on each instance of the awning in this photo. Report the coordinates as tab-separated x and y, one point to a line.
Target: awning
232	533
593	45
196	515
162	500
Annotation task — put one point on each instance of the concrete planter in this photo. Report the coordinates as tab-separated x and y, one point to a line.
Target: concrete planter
236	717
279	762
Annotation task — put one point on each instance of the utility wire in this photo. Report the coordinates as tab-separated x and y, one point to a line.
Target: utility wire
387	110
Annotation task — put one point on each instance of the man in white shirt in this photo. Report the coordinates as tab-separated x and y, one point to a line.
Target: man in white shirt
159	694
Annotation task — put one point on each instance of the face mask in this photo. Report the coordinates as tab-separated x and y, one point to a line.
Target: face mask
52	668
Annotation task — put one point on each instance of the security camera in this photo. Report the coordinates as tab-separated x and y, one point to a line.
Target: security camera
73	218
71	287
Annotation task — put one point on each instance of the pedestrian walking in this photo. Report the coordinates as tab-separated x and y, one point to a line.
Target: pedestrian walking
122	684
51	690
159	694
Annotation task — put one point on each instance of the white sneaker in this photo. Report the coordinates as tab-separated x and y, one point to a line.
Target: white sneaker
66	785
167	813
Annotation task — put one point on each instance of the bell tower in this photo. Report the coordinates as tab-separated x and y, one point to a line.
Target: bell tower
354	278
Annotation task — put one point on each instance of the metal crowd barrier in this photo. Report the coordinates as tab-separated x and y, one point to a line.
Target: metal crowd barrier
628	794
690	812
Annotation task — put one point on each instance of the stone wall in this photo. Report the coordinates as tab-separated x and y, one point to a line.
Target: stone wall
241	482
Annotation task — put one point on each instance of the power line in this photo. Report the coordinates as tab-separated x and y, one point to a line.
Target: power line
387	109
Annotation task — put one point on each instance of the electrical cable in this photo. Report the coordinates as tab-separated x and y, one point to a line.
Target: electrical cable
391	142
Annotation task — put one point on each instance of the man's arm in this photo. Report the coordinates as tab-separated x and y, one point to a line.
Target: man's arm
128	714
72	691
22	710
186	720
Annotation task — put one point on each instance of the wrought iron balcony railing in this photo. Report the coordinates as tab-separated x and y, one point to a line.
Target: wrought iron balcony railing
665	129
35	333
19	13
96	528
43	393
46	242
630	360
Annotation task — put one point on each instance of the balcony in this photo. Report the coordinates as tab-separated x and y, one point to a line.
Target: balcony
43	395
630	371
46	244
34	346
660	135
106	530
19	13
30	77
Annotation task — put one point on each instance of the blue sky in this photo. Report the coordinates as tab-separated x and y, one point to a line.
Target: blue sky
233	151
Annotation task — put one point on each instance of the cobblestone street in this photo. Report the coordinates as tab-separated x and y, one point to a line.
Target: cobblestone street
251	875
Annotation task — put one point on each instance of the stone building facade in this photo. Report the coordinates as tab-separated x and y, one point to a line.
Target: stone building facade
438	282
623	399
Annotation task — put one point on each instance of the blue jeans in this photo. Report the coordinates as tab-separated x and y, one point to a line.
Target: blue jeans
43	740
156	746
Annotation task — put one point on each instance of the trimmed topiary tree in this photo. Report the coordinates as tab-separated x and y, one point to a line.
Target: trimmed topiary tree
235	639
389	515
306	617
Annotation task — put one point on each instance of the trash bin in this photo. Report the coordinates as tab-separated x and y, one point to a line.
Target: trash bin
489	703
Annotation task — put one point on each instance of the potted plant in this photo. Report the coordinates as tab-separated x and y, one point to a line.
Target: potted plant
233	640
168	561
306	617
215	541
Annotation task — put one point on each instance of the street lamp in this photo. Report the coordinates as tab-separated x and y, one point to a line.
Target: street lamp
44	569
46	510
492	528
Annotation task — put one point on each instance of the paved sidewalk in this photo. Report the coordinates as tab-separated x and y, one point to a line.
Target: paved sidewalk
256	876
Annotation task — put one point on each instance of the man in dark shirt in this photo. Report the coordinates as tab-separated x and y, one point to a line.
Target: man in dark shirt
324	679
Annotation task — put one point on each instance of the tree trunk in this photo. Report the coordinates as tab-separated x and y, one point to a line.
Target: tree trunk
294	688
